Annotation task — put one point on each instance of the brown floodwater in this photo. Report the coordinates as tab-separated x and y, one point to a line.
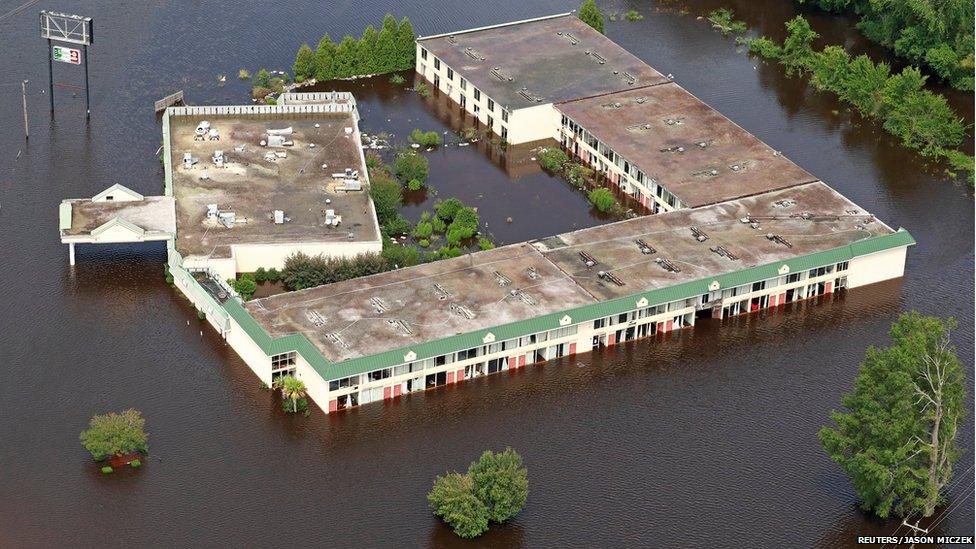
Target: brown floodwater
701	438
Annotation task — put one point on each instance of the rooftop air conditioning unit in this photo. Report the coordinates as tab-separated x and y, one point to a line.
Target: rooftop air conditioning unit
279	217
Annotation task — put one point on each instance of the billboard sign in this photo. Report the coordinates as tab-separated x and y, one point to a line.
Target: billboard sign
66	55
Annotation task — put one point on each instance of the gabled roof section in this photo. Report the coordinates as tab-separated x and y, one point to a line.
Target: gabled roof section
117	193
118	222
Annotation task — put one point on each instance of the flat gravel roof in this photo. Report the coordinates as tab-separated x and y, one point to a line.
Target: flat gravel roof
691	149
253	187
553	59
152	213
370	315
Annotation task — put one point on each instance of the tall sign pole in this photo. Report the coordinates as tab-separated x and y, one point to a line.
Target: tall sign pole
73	29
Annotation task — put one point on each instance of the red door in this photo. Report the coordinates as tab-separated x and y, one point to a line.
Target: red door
521	361
450	377
572	348
670	326
512	363
333	405
611	339
397	390
387	393
827	287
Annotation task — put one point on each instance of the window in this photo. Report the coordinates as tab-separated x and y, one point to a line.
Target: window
376	375
843	266
423	53
282	361
477	109
437	64
464	84
599	323
795	277
504	115
757	286
491	122
504	133
477	94
337	384
491	106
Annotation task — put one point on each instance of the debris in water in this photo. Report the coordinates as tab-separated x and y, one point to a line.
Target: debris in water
508	220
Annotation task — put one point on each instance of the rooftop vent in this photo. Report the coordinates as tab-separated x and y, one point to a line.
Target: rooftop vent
639	127
675	149
533	274
610	277
378	305
674	121
462	311
501	279
524	93
612	105
442	292
497	73
470	52
724	252
524	297
707	173
699	234
784	203
630	78
667	265
779	240
399	326
572	39
452	39
705	143
599	58
315	318
336	339
640	100
588	259
645	248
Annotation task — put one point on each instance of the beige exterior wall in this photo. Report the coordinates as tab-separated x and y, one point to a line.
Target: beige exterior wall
249	257
249	352
523	125
877	267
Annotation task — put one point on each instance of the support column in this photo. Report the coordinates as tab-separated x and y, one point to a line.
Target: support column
71	253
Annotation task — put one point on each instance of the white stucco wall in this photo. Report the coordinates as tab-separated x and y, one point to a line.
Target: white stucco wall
877	267
533	124
248	257
249	351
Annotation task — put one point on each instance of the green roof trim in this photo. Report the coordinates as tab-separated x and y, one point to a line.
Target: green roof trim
64	216
329	370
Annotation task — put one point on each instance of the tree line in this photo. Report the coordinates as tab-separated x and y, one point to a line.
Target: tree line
390	49
936	33
922	119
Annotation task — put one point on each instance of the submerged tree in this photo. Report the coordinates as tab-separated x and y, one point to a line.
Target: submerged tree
115	434
325	59
897	439
292	389
452	498
591	15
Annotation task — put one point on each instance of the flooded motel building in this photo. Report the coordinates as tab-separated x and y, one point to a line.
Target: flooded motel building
735	227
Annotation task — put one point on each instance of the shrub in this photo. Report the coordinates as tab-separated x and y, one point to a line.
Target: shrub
415	185
201	315
763	47
424	243
449	208
410	166
424	229
107	470
398	256
591	15
396	79
485	243
303	271
602	198
262	79
387	197
167	274
244	74
723	20
244	286
422	90
260	275
270	100
135	464
115	434
633	15
552	159
438	224
425	139
260	93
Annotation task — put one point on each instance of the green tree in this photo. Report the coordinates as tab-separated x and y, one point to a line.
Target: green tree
262	79
501	483
366	52
798	45
553	159
591	15
602	198
325	59
387	198
245	286
406	45
410	166
346	57
897	438
453	500
292	389
386	45
304	67
398	257
115	434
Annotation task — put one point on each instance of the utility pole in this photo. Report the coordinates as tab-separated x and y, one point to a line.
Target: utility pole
87	101
23	89
50	76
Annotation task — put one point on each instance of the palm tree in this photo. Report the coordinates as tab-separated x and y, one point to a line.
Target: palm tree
294	389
